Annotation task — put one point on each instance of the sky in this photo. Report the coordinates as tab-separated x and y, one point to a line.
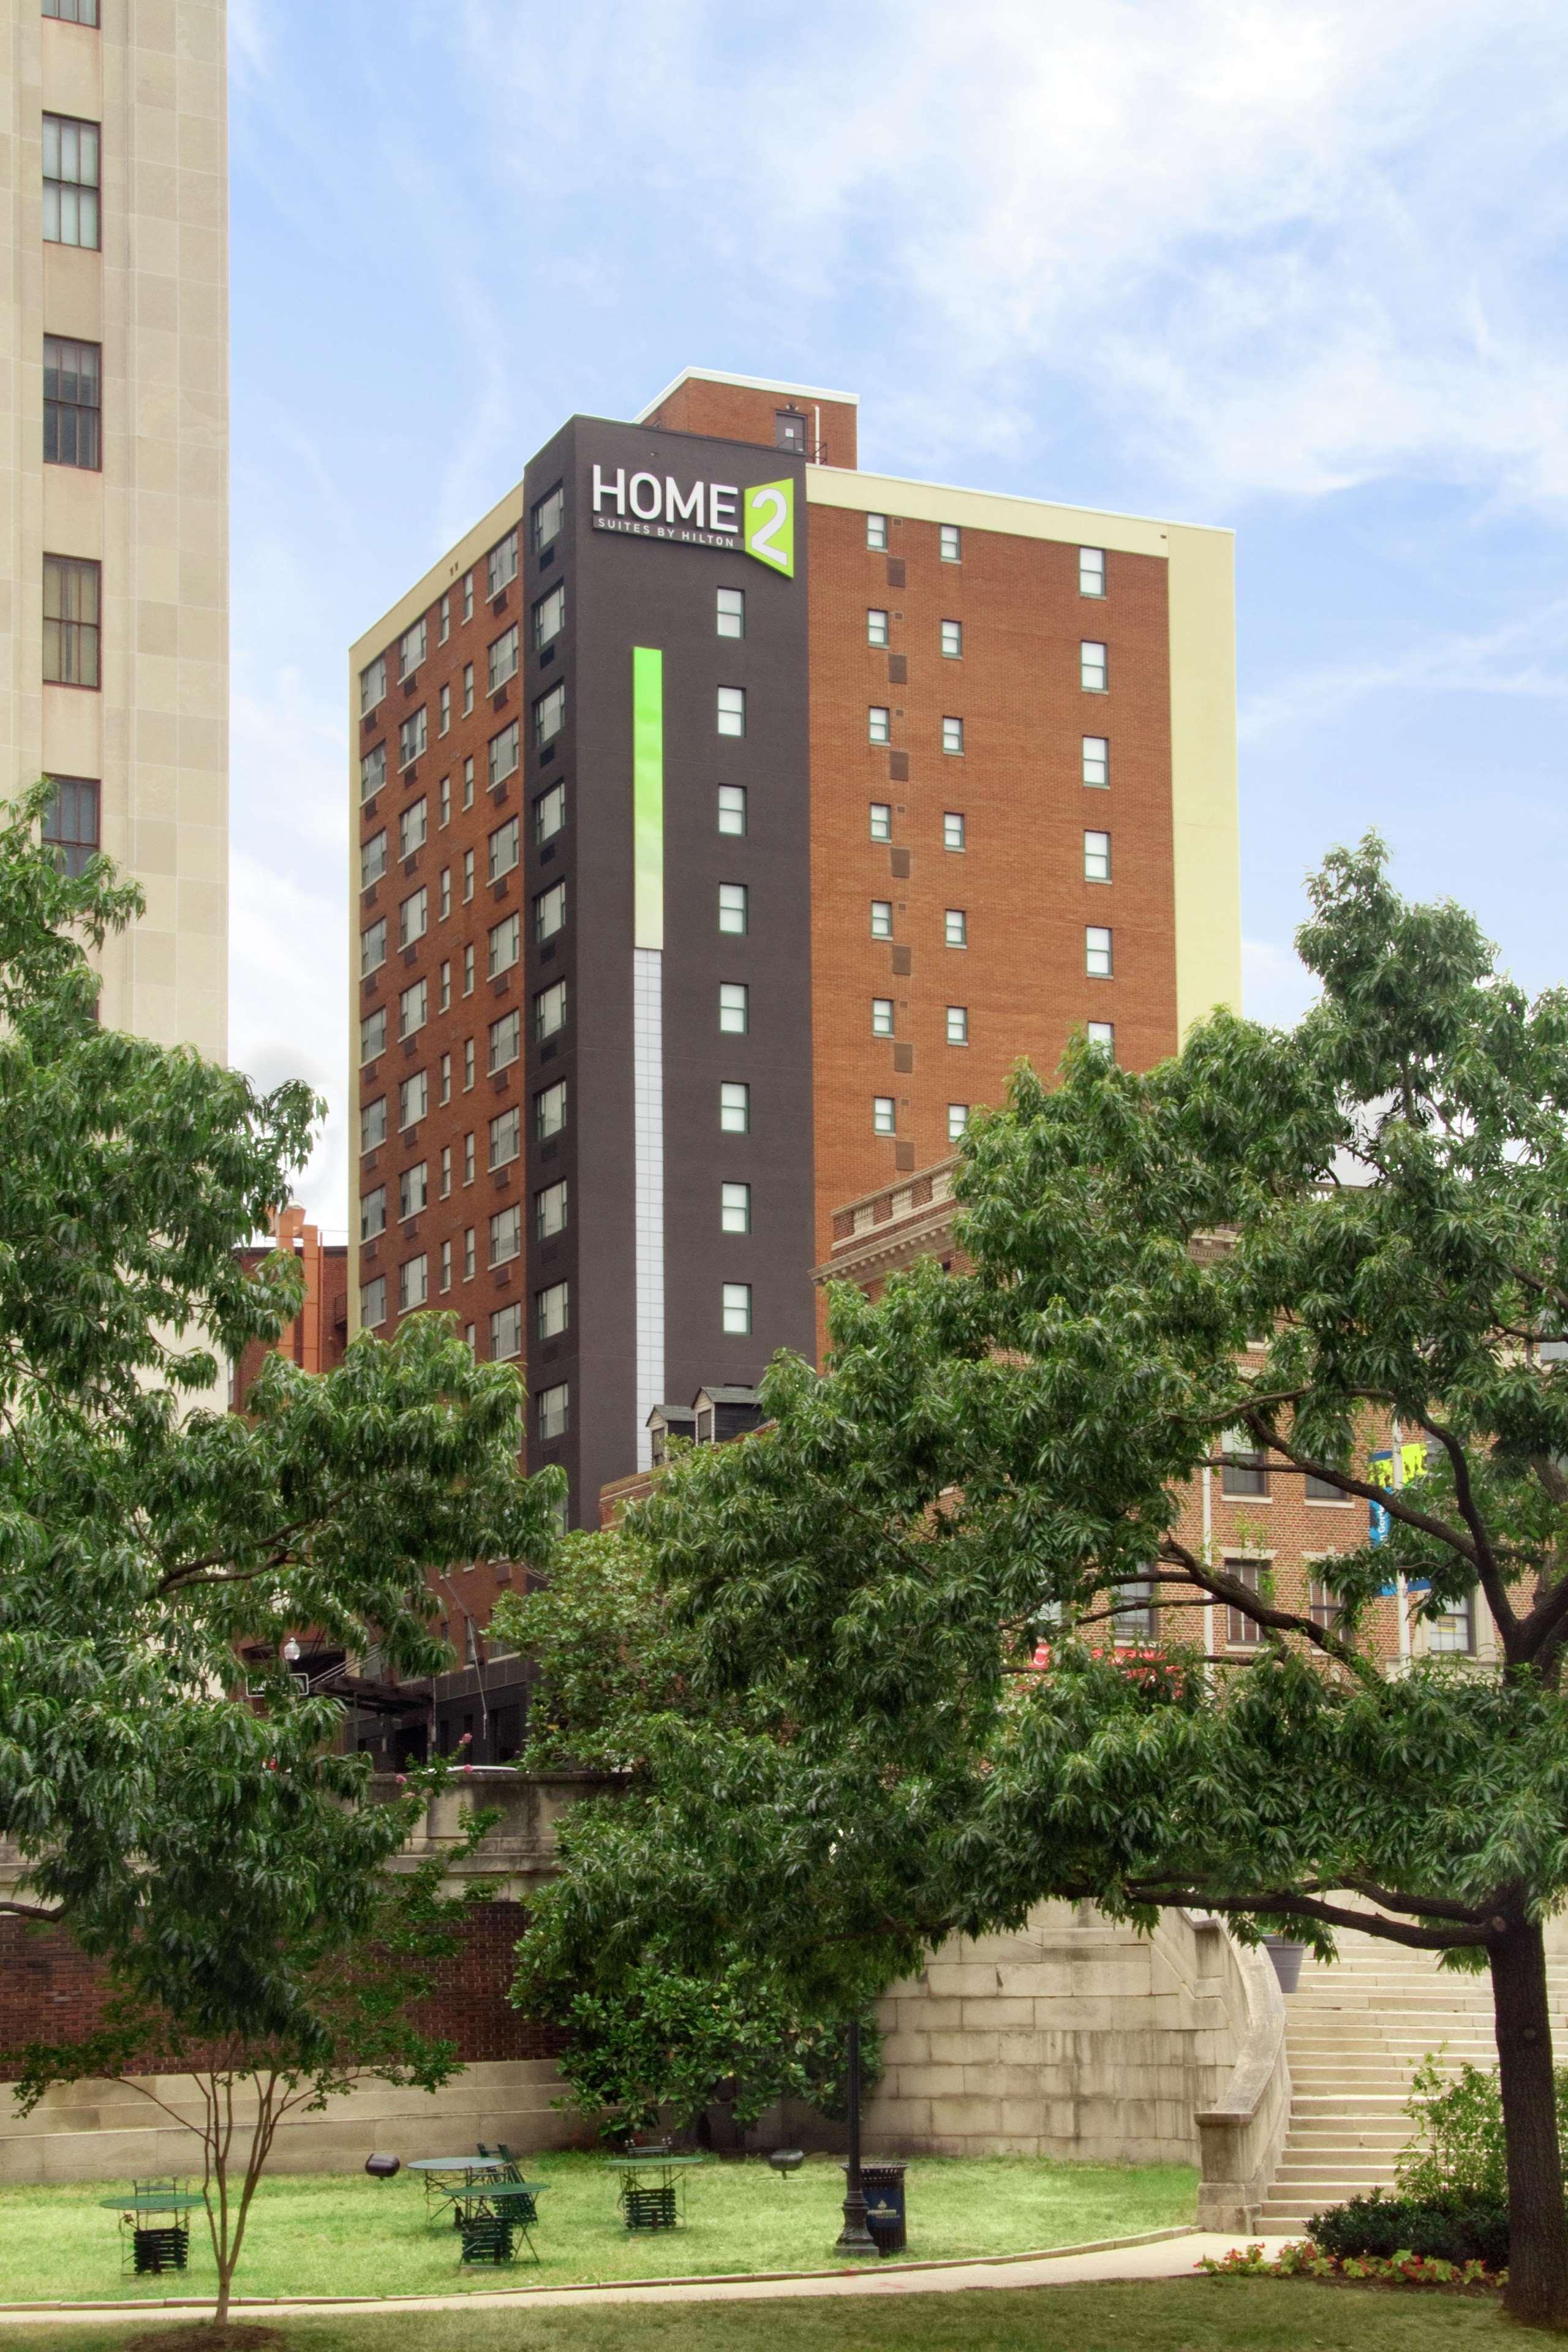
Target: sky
1298	269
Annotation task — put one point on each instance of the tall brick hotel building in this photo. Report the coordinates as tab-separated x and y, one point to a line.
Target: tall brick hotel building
729	820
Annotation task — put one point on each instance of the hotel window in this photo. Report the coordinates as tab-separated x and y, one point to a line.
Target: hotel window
413	1283
957	1121
1091	572
735	1108
876	530
884	1115
500	564
730	612
467	1253
373	1213
1320	1490
549	1210
373	772
1096	951
547	518
467	595
413	1009
412	917
411	738
550	1010
444	725
958	1025
737	1307
504	747
732	711
73	403
733	909
1245	1474
445	613
506	1233
1097	857
953	734
878	724
445	789
881	821
468	969
413	827
550	912
505	945
371	685
411	648
373	1124
789	431
444	903
72	11
550	1110
1242	1631
373	1034
1103	1035
373	859
446	1066
881	918
372	948
1452	1632
467	875
1325	1606
955	927
413	1100
373	1302
733	808
553	1407
468	688
468	783
550	812
469	1157
469	1061
70	621
876	627
412	1189
1092	659
504	847
506	1136
501	659
735	1208
1135	1616
734	1008
70	828
446	1171
549	717
70	182
505	1041
953	640
445	1265
506	1333
552	1311
549	617
953	831
1096	760
951	543
881	1017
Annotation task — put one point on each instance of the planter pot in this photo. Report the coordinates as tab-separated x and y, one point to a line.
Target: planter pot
1286	1958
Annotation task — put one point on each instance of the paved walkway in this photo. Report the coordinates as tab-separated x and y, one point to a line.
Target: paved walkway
1163	2258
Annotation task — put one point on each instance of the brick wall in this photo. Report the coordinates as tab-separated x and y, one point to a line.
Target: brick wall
738	412
50	1991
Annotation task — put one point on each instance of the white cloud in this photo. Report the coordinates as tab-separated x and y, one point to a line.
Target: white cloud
1525	656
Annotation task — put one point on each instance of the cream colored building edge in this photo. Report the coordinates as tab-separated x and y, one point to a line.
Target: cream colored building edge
1202	602
156	518
381	637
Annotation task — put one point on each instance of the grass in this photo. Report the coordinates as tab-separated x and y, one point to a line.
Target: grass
1174	2315
343	2234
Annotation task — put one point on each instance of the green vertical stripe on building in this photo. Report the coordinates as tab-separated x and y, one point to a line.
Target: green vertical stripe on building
648	796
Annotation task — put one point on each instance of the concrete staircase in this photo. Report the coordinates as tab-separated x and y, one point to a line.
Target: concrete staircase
1355	2033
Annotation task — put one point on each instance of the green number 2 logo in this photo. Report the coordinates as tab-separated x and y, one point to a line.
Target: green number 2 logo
769	521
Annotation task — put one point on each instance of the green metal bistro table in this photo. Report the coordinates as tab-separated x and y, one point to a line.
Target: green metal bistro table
448	2179
653	2189
491	2211
155	2220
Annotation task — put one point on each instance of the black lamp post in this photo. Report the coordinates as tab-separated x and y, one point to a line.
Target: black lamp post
854	2238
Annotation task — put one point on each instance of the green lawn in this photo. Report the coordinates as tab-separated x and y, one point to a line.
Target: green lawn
343	2234
1180	2315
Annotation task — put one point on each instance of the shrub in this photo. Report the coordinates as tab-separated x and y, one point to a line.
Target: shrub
1451	2230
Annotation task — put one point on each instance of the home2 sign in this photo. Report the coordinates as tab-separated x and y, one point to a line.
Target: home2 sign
759	521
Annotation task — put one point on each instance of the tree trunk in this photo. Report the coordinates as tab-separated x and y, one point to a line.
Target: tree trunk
1538	2229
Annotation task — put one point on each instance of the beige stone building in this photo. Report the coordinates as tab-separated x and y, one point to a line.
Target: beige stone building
114	471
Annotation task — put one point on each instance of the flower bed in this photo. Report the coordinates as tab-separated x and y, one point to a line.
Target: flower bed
1304	2260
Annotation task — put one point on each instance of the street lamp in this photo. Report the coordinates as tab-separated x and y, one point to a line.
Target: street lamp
854	2238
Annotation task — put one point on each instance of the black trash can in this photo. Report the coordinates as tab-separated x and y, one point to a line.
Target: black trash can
883	2185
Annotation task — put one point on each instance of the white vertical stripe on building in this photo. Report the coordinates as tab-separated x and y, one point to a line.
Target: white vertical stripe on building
648	1153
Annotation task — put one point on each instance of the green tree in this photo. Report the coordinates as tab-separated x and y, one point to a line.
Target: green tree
1005	1449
